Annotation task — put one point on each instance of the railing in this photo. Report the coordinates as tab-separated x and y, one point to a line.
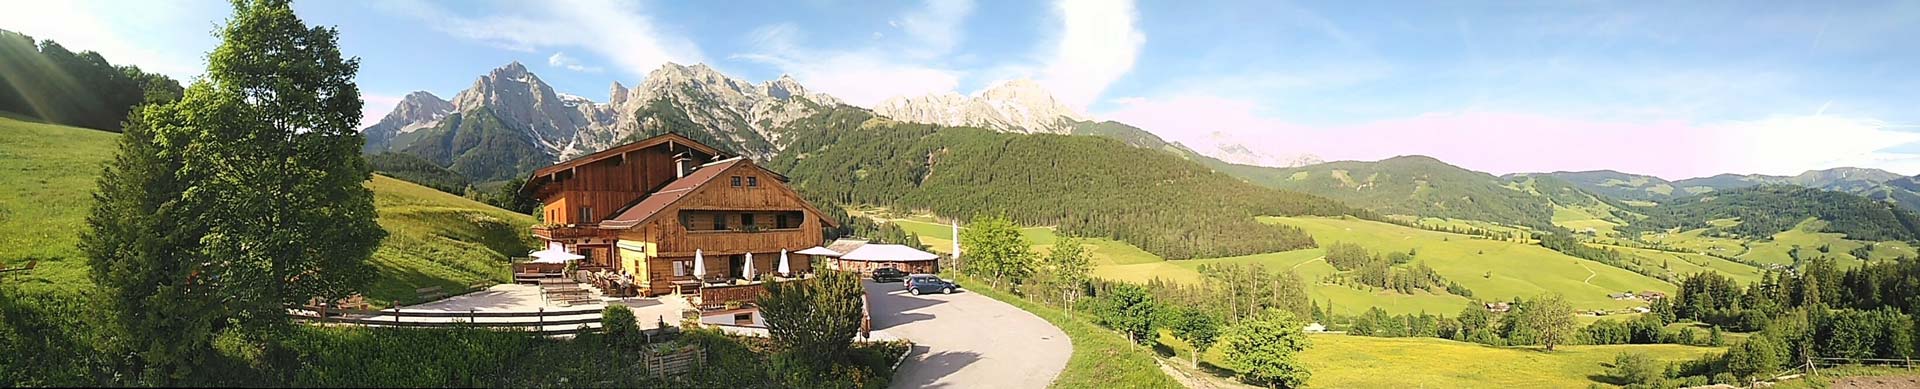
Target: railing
537	320
571	231
713	297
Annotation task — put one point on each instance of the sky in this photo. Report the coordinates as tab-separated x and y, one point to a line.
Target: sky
1672	89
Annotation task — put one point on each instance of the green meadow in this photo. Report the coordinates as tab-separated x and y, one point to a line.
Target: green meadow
1492	269
1778	250
1342	361
434	238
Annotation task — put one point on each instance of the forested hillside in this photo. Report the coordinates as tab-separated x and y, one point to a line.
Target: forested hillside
46	81
1766	210
1086	186
1411	185
417	170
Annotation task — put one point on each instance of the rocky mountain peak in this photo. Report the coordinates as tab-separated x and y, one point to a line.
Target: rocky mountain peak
1011	106
618	96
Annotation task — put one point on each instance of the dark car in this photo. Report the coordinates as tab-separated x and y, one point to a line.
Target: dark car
886	274
927	283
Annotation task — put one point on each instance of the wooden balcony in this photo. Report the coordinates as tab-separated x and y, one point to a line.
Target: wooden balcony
572	231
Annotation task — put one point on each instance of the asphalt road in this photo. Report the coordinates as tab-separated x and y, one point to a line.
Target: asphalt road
966	340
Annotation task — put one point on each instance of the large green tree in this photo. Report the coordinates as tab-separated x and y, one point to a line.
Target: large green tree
240	199
1549	319
1266	352
1068	265
992	248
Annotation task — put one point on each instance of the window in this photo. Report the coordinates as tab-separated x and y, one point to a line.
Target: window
780	221
719	223
753	181
682	268
586	214
746	220
736	181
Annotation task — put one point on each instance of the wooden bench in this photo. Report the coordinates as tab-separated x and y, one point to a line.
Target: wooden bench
20	270
430	293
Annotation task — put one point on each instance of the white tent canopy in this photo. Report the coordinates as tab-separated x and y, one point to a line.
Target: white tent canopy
888	252
554	255
817	250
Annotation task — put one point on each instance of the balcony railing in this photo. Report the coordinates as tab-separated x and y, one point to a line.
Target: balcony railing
571	231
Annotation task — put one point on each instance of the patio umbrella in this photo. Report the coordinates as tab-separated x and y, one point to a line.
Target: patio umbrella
749	266
554	256
699	265
783	263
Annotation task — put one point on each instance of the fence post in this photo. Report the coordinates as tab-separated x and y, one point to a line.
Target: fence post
542	320
396	314
473	316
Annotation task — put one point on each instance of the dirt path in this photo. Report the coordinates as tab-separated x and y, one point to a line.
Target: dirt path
1882	382
1297	265
1590	274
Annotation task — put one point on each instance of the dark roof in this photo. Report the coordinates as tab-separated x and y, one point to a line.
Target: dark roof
537	178
668	195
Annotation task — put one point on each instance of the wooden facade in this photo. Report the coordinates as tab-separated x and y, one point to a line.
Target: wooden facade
643	209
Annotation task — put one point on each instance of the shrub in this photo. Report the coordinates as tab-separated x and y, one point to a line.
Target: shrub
618	323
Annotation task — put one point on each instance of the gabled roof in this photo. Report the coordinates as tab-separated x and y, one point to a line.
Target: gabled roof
650	207
615	151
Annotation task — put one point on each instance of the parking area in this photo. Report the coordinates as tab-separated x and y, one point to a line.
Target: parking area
966	340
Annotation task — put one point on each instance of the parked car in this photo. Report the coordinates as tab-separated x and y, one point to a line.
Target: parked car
927	283
887	274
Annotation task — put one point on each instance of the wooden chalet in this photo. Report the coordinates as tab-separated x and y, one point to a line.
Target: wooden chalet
642	210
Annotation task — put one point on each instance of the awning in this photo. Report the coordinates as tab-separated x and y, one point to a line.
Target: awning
554	256
888	252
817	250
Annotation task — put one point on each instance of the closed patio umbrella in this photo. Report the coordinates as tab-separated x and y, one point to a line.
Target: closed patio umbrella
783	263
699	266
749	274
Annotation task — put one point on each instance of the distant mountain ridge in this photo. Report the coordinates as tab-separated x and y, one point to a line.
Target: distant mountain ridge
1020	106
1867	182
510	121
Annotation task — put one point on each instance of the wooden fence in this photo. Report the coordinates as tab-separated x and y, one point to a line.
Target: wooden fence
536	320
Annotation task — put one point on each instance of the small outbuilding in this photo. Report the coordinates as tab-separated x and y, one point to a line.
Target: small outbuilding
860	256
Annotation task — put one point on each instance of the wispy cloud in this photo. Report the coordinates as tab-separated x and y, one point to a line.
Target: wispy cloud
619	31
1098	44
563	61
911	63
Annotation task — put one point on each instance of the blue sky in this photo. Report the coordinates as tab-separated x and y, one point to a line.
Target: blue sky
1676	90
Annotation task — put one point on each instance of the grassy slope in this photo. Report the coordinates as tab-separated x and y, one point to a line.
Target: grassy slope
1516	269
1341	361
46	181
1117	260
1775	251
434	238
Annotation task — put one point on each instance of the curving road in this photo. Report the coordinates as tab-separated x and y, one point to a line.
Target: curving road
966	340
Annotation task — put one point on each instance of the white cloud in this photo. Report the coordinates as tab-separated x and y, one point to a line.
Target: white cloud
910	64
562	60
1098	44
619	31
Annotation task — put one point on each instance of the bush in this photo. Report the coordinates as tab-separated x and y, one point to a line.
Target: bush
618	323
1635	369
1266	352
